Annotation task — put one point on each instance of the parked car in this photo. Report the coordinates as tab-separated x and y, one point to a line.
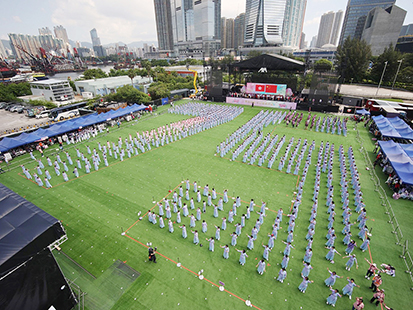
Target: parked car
43	114
9	106
15	108
3	105
19	109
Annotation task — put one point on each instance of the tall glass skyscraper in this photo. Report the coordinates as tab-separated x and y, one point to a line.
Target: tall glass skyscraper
264	22
196	25
274	22
356	14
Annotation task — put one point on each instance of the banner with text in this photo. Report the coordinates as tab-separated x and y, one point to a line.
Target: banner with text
266	89
262	103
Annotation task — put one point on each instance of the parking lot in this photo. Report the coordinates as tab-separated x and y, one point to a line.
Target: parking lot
11	122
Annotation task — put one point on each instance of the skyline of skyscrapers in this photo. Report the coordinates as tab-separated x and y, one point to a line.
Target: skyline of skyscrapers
97	45
227	33
329	28
32	44
356	14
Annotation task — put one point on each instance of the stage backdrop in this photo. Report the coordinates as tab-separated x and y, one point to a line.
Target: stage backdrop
263	103
266	89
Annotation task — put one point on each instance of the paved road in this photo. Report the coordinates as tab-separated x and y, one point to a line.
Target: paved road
370	92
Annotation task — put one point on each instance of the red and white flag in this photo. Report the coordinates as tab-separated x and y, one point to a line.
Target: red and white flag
259	87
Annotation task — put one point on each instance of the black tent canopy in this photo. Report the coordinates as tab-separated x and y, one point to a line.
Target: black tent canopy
29	275
270	62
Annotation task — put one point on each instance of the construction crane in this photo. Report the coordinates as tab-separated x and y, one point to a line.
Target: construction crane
41	64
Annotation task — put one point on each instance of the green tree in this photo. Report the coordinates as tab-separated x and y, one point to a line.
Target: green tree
323	65
352	59
72	84
128	94
131	75
94	74
253	54
392	57
158	91
10	92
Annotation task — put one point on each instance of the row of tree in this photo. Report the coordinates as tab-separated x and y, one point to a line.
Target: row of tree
354	63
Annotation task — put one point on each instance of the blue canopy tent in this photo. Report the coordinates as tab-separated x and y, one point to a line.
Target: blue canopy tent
393	127
400	161
362	112
408	148
63	127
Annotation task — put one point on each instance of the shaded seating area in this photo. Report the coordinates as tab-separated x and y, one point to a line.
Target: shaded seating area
67	126
397	160
391	128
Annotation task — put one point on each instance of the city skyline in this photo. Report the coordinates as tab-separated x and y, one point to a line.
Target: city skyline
130	21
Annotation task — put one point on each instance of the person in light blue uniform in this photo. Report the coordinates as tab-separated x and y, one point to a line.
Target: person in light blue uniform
221	204
243	256
266	252
308	255
217	233
331	280
196	237
351	261
211	244
271	241
65	177
304	284
330	255
365	244
282	275
332	299
47	173
215	211
261	267
204	226
198	214
185	210
230	216
168	212
171	226
46	181
238	228
348	289
306	269
224	223
192	221
234	237
161	222
178	217
225	196
250	244
284	261
192	204
226	251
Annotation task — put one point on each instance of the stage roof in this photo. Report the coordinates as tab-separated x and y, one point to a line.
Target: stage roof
24	230
270	62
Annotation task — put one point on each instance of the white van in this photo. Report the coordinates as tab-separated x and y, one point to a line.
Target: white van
43	114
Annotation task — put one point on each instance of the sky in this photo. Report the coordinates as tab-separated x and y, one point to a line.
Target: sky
129	20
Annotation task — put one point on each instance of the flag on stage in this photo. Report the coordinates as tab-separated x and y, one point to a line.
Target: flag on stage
260	88
270	88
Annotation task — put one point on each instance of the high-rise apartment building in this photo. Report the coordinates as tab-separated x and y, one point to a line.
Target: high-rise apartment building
32	44
45	31
3	53
293	22
328	30
227	33
356	14
95	38
60	32
164	24
239	30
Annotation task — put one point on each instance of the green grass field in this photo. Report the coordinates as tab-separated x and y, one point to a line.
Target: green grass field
96	208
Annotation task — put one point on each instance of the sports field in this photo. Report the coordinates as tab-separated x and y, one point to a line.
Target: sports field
100	214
